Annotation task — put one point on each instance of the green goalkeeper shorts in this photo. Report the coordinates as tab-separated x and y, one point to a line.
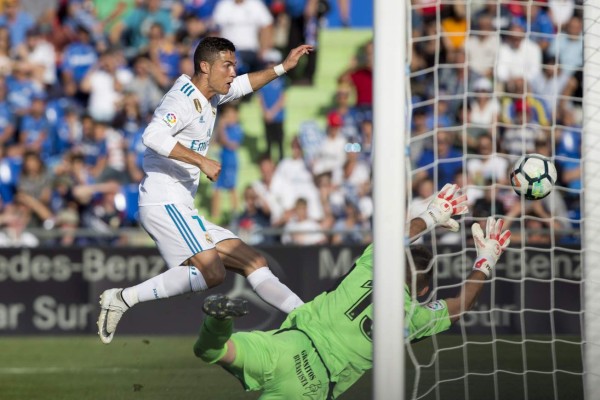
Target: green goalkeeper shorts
283	364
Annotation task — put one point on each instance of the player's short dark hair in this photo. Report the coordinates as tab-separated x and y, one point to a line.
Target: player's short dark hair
419	259
208	50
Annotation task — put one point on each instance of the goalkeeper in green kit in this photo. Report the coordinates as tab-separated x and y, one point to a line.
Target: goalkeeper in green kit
325	345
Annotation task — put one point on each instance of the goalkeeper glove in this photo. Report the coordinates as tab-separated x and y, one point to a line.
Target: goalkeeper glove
491	246
444	206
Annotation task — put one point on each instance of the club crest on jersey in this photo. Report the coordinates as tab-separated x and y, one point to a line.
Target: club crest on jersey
436	306
170	119
198	105
208	238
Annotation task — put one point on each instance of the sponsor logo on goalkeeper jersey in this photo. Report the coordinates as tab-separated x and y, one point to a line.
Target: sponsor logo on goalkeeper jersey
304	372
436	305
170	119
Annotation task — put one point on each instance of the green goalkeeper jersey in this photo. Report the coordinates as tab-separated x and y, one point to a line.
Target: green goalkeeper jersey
340	323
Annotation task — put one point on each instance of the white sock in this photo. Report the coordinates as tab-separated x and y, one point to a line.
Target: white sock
271	290
173	282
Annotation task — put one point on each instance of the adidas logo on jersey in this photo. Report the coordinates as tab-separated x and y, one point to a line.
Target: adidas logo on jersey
201	120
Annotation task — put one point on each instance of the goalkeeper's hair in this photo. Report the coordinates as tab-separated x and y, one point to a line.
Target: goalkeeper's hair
420	260
208	50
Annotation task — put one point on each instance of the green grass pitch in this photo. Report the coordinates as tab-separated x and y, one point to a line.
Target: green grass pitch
133	367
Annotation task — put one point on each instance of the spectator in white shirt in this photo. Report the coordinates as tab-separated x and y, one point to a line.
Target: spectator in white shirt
14	222
249	25
484	108
489	166
561	11
41	56
266	199
332	153
301	229
568	46
518	57
293	180
483	111
550	83
482	47
104	82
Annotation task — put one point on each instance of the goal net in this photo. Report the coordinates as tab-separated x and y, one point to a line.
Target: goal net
490	81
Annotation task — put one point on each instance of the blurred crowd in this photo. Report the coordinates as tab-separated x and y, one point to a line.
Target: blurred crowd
79	80
491	82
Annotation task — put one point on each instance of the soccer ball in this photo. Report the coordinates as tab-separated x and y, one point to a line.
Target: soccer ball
533	176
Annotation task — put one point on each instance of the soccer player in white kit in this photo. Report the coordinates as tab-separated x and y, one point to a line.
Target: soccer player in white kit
196	251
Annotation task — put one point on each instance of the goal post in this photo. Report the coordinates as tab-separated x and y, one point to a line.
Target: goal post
389	197
591	166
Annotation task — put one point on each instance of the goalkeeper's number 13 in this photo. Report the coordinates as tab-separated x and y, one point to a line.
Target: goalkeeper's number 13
366	323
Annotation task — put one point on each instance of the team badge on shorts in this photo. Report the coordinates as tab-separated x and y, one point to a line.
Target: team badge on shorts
208	237
198	105
170	119
436	305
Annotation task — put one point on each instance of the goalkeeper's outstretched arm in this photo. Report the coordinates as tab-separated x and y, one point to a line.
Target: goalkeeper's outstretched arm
489	249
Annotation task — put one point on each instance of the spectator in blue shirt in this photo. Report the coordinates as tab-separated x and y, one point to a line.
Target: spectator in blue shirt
229	135
7	123
439	115
92	149
135	156
78	58
129	120
11	169
442	162
134	29
272	102
254	218
68	131
542	28
21	89
162	52
202	9
34	129
568	151
17	21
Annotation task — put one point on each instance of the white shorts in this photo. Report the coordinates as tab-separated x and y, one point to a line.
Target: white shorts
179	232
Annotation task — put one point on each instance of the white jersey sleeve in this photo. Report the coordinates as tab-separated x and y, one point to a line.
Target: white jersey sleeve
171	116
239	88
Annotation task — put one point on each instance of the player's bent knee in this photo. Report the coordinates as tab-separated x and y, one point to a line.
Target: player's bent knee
210	267
214	275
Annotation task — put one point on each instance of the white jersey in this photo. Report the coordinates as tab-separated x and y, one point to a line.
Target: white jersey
184	115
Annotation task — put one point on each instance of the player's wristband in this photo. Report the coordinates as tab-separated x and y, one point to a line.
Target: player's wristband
430	218
279	70
482	264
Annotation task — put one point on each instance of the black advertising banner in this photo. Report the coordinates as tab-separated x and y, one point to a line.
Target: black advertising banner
54	291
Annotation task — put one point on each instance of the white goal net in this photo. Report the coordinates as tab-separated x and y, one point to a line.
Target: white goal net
489	82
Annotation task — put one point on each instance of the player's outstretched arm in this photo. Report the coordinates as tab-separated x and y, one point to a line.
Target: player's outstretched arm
489	249
259	79
447	203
